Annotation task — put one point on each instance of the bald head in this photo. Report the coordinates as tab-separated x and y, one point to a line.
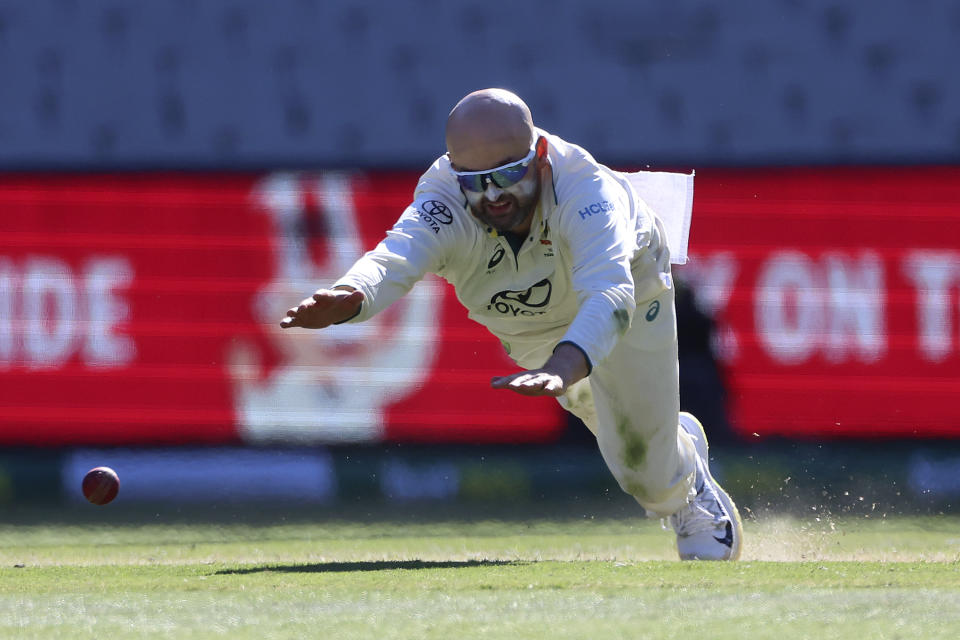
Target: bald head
488	128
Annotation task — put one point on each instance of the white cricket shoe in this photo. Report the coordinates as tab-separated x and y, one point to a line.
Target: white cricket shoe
709	527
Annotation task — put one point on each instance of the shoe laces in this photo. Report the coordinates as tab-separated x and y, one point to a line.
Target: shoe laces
696	516
693	518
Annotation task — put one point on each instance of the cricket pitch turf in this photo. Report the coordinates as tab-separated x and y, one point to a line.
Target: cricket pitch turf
576	576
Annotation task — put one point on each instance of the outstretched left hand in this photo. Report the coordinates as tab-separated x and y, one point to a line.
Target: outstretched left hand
537	382
566	366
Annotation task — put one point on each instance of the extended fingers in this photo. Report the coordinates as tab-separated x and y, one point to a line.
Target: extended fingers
322	309
293	315
529	384
502	382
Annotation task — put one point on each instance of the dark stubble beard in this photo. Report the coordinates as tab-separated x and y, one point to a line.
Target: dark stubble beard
524	209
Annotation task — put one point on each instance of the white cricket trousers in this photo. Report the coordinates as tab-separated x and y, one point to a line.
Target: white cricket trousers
631	401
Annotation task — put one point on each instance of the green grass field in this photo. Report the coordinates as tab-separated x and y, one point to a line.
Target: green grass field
93	572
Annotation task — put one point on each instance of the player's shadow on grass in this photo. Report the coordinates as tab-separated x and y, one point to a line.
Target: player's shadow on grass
375	565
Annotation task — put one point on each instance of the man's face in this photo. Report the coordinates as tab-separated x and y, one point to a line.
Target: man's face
507	209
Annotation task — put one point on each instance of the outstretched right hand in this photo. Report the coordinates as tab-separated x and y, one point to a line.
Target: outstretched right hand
324	308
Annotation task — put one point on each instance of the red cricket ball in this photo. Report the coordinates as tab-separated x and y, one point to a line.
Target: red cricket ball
101	485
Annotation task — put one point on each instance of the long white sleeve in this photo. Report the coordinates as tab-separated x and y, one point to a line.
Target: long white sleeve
411	249
598	228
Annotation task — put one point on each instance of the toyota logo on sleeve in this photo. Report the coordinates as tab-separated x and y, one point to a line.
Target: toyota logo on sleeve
437	210
433	213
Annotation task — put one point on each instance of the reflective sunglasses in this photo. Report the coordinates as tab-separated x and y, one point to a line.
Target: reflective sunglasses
503	176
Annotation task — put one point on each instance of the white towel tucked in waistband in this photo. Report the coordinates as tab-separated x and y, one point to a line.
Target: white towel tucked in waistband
670	195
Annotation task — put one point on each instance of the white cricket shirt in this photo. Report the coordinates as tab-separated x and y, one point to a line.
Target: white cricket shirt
572	280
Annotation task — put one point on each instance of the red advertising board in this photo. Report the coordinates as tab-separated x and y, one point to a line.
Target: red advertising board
144	309
836	297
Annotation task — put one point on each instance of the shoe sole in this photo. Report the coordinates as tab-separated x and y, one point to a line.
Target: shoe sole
693	426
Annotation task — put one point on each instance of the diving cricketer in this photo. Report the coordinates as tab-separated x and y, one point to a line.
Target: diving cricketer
559	258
